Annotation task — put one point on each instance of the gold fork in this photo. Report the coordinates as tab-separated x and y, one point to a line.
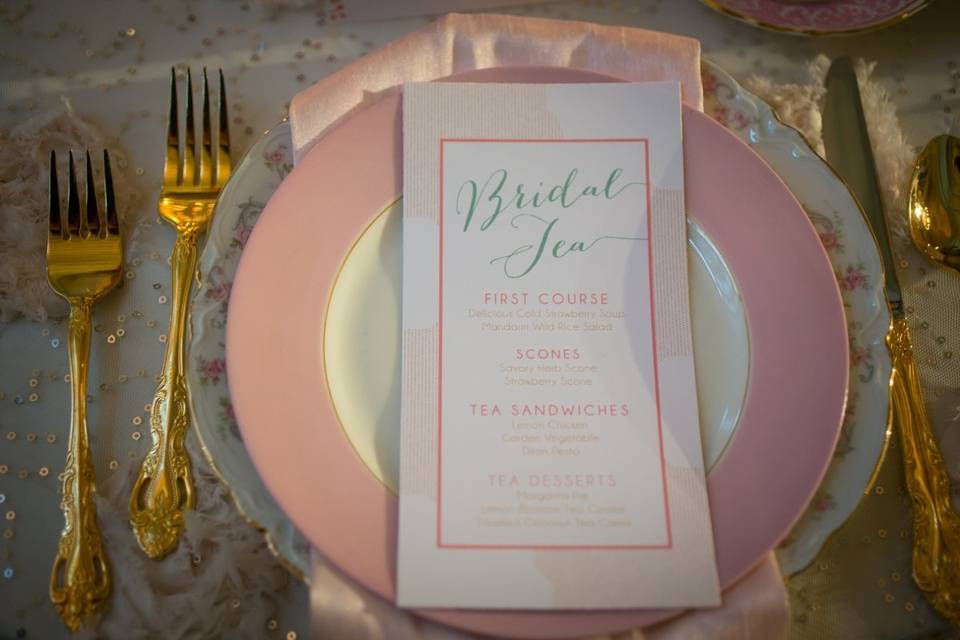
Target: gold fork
84	260
164	488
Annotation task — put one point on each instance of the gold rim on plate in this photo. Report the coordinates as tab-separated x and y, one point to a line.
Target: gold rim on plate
900	17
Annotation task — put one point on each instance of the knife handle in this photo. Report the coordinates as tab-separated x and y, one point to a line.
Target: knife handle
936	526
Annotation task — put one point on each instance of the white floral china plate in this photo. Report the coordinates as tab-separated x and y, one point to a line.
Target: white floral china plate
829	204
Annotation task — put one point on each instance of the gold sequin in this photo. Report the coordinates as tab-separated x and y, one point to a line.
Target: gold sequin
135	435
11	435
3	469
137	420
34	382
121	318
111	338
31	437
23	474
67	377
272	624
163	337
51	438
121	333
35	373
122	377
291	635
44	471
895	576
162	299
151	323
11	515
8	533
113	465
45	333
33	397
909	607
888	598
881	583
881	533
879	490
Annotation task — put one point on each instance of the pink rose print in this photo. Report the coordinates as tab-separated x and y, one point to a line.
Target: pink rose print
241	235
218	292
228	412
721	115
823	502
230	418
740	121
859	355
276	160
854	278
211	370
830	240
709	83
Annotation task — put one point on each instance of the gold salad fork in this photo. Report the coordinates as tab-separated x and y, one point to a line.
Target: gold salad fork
164	488
84	262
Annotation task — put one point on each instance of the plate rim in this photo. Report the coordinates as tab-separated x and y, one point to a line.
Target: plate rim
841	353
719	6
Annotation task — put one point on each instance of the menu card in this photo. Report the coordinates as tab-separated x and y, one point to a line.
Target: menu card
550	445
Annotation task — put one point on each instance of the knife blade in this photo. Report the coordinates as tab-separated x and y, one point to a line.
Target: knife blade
847	145
936	526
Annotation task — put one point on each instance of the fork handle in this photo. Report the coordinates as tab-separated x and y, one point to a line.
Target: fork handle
80	579
163	490
936	526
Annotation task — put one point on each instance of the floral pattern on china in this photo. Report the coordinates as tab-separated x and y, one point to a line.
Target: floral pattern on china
820	16
842	231
849	245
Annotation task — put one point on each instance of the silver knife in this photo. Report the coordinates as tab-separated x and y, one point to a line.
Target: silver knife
936	527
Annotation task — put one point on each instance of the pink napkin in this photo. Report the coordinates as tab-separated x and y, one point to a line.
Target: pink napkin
755	607
458	42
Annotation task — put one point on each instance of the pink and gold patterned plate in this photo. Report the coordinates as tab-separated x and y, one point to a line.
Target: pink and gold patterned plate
277	346
819	17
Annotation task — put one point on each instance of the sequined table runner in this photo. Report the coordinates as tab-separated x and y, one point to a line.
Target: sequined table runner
112	63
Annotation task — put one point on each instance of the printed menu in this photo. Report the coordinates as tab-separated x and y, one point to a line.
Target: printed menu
550	444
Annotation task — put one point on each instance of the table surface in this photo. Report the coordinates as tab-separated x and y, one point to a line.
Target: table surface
112	61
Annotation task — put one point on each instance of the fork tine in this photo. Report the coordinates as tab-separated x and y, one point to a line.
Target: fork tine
189	152
110	204
171	162
224	165
93	212
55	223
73	199
206	165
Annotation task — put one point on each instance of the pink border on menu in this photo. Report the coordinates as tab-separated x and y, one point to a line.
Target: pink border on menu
656	372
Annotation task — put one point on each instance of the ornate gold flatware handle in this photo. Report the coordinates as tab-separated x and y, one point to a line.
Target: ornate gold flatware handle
936	526
80	579
164	488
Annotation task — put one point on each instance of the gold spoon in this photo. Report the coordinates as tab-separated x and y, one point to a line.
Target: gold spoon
935	201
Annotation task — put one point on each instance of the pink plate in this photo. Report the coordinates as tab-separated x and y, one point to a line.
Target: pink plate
820	17
779	452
